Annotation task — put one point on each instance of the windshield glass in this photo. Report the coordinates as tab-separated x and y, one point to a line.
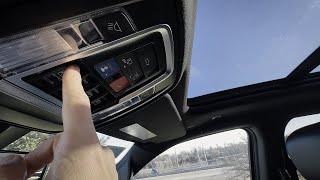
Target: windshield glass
239	43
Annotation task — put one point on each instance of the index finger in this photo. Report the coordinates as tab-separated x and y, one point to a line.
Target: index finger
76	112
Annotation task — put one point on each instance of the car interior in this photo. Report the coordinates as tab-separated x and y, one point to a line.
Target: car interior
138	68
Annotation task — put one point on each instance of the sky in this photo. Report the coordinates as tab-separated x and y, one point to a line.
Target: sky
238	43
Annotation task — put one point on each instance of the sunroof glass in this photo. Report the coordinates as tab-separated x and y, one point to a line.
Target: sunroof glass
239	43
315	70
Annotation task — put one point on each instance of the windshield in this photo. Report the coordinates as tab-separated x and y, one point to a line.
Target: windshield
239	43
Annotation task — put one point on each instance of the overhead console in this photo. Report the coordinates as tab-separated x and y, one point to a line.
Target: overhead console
121	68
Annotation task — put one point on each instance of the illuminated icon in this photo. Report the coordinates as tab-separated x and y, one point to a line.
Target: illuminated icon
89	94
128	61
60	74
114	27
147	61
105	68
85	81
58	77
96	102
92	92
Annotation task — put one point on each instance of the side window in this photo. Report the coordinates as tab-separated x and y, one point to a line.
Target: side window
28	142
32	140
219	156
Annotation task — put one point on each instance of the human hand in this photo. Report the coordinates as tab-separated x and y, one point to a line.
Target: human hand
76	152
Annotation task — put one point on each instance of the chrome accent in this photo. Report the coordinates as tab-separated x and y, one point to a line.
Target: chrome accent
130	100
98	30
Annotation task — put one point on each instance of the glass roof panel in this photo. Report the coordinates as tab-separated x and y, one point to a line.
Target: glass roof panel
239	43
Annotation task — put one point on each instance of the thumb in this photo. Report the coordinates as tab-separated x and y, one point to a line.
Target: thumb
41	156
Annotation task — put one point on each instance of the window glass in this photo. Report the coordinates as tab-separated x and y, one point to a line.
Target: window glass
218	156
315	70
31	140
239	43
28	142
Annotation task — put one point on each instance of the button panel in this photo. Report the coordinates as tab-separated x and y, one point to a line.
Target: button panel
105	79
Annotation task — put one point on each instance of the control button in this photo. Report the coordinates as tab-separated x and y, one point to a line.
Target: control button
135	100
95	92
147	94
102	103
107	68
57	74
119	84
52	79
89	32
72	38
147	60
96	105
115	109
113	26
127	103
89	82
130	67
48	81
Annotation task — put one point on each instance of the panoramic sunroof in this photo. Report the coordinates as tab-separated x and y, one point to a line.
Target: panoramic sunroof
239	43
315	70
